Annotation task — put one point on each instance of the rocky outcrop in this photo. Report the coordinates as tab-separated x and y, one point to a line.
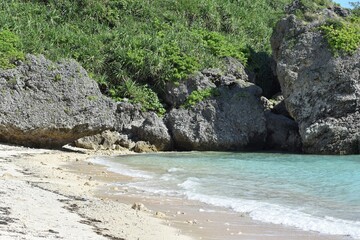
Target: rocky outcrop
48	104
107	140
112	140
142	126
232	119
282	133
321	92
177	93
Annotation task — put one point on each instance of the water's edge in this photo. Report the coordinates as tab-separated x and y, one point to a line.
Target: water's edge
168	175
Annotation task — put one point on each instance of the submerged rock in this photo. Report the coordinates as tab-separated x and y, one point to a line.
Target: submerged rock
321	91
48	104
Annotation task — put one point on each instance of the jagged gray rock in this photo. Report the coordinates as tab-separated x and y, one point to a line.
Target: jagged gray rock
142	126
107	140
234	120
48	104
176	93
282	133
322	92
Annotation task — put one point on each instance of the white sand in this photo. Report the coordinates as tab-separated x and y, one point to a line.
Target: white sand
40	200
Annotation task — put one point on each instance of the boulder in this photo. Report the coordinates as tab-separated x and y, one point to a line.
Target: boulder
232	120
142	126
176	93
144	147
106	140
282	133
50	104
321	91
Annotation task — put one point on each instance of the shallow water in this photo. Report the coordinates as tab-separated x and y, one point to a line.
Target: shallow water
310	192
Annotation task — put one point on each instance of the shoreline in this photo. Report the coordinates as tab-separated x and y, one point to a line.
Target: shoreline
87	191
41	199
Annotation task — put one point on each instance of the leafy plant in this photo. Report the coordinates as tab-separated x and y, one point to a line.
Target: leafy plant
199	96
149	42
342	36
10	49
356	8
141	94
220	47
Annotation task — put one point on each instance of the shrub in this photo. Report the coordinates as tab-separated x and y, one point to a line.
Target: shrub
356	8
149	42
220	47
10	49
199	96
342	36
141	94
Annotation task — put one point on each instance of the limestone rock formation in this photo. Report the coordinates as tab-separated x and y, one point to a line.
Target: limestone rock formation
142	126
282	133
233	119
321	91
48	104
107	140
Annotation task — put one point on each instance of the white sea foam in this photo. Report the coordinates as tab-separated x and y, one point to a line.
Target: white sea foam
173	170
272	213
190	183
121	168
203	187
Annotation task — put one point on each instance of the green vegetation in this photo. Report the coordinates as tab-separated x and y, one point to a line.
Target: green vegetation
138	94
199	96
141	42
343	36
10	49
57	78
356	8
308	9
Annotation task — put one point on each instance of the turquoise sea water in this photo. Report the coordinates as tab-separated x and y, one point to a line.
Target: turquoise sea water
315	193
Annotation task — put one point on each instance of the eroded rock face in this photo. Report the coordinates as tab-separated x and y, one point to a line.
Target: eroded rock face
282	133
47	104
322	92
232	120
142	126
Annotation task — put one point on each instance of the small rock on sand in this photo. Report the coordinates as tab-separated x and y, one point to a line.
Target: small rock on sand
139	207
160	215
7	176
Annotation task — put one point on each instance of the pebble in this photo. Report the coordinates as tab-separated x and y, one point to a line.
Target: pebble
192	221
139	207
7	175
160	214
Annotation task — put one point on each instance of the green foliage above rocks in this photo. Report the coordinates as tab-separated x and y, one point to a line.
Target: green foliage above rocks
10	49
356	8
343	36
136	93
147	42
199	96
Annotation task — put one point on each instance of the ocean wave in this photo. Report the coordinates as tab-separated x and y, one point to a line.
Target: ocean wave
272	213
121	168
173	170
190	183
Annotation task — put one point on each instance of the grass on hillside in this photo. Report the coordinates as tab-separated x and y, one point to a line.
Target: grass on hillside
142	42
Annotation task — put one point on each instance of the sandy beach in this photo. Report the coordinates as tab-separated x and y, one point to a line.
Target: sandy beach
41	200
49	194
